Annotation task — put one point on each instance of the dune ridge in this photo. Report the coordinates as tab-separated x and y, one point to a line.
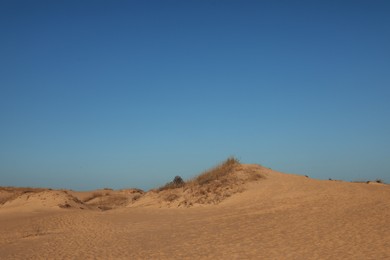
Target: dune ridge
251	212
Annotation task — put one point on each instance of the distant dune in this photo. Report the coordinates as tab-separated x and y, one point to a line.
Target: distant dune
232	211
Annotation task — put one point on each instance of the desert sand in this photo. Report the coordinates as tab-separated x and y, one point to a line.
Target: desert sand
254	213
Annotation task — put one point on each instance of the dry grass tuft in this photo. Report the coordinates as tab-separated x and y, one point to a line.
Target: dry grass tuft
171	197
219	172
136	197
4	199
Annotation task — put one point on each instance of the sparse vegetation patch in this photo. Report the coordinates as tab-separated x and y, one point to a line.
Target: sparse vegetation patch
176	183
211	186
218	172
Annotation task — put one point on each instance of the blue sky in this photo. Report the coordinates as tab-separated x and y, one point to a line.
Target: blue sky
131	93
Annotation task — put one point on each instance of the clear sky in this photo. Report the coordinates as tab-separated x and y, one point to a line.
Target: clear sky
122	94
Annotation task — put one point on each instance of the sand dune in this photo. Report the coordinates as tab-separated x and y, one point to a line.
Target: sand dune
47	199
274	216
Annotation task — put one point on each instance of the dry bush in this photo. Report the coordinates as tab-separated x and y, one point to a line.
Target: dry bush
5	198
217	173
136	197
171	197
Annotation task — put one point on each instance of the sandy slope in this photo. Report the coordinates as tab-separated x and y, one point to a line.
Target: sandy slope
279	217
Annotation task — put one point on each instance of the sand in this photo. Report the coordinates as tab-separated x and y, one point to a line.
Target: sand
280	216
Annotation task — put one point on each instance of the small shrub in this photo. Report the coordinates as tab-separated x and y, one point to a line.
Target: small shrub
176	183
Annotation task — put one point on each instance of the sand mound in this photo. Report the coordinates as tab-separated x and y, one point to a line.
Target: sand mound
28	199
107	199
10	193
46	199
209	188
